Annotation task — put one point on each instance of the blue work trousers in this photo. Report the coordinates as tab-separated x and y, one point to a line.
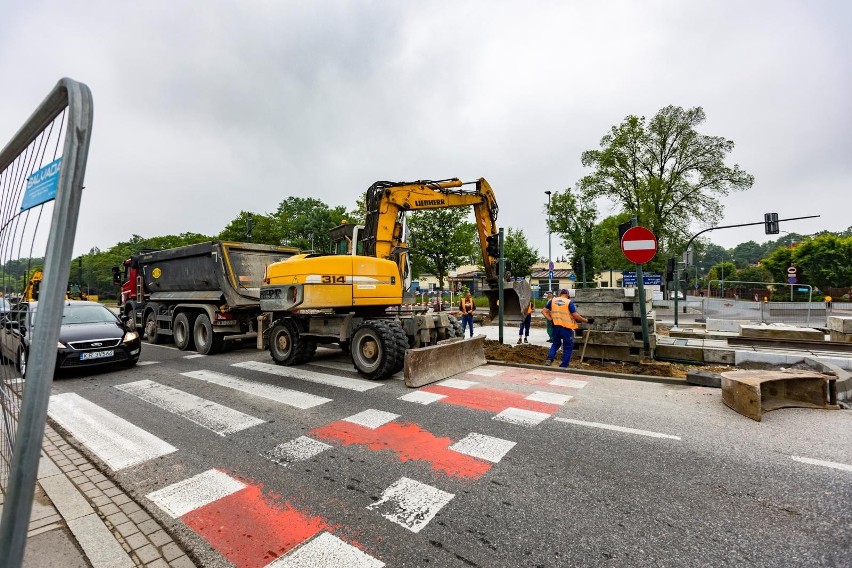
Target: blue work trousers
525	327
564	337
467	320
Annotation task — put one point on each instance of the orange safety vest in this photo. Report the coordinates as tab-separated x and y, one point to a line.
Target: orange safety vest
467	305
561	313
530	309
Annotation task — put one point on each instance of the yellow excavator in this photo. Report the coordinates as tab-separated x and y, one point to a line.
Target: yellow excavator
74	292
355	299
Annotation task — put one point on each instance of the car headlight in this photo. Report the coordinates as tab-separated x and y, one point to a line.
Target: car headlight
130	336
60	345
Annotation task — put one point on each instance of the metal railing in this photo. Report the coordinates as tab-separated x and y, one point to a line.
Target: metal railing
41	181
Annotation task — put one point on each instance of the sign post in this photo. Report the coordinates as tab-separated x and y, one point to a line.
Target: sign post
792	278
639	246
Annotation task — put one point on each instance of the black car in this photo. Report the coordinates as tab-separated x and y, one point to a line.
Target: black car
90	335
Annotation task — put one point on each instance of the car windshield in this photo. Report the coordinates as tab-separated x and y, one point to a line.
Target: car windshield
83	314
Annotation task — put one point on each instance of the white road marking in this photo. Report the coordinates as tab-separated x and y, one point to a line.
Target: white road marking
483	447
422	397
521	416
162	346
617	428
549	397
411	504
485	372
184	496
359	385
458	384
147	362
329	551
339	365
372	418
114	440
215	417
573	383
278	394
194	356
834	465
299	449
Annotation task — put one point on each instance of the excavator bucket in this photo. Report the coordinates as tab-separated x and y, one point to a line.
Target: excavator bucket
516	295
449	357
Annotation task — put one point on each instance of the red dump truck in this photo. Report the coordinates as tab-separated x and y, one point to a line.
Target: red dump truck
201	295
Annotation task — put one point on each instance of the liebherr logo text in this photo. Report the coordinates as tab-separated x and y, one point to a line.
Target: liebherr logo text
427	202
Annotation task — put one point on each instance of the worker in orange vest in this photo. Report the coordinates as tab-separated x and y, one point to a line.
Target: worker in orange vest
524	330
467	308
564	315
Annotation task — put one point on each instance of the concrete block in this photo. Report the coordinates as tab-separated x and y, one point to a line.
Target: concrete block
842	324
752	393
704	379
618	338
725	325
101	548
680	352
601	295
839	336
719	356
776	331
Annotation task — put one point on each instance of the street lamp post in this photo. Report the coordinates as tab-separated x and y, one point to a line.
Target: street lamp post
549	256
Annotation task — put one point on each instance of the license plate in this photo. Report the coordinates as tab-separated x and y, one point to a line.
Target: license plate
96	355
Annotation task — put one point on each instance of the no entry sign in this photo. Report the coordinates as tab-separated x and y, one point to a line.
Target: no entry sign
639	245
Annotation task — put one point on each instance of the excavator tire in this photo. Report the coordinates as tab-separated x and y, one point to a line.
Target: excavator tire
374	349
285	345
401	344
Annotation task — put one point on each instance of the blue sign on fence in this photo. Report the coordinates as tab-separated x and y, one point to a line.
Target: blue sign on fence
41	186
802	289
628	278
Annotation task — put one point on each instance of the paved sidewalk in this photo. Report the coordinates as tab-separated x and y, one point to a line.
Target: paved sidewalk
80	519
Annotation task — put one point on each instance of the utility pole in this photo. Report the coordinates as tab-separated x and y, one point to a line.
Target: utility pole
549	255
500	271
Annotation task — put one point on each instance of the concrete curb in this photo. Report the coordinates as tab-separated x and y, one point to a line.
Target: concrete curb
572	370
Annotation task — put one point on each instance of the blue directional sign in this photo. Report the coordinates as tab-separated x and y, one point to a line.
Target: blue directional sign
648	278
42	185
802	289
792	280
550	275
572	277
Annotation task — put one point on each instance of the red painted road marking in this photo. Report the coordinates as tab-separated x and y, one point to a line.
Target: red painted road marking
490	399
409	442
251	530
533	377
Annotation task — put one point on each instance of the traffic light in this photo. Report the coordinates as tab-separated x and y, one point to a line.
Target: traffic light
670	268
492	246
771	221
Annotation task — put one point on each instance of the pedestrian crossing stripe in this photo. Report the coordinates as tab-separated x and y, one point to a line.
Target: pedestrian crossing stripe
270	392
411	504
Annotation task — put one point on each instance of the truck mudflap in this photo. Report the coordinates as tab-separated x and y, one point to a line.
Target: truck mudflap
449	357
516	295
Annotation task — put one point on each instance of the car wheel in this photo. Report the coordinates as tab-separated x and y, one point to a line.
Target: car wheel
183	331
131	319
22	361
206	342
132	362
151	331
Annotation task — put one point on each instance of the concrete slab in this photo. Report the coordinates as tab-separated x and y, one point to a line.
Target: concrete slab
776	331
843	324
101	548
70	503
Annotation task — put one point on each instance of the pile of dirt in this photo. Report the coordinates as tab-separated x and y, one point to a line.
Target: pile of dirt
537	355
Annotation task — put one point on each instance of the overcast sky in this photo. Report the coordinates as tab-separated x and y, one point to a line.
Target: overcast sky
206	108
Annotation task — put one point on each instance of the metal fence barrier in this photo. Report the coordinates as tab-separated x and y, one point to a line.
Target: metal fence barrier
41	180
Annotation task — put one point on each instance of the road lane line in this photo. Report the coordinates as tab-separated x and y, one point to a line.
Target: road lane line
572	383
411	504
270	392
458	384
422	397
485	372
194	356
142	363
483	447
338	365
184	496
372	418
329	551
114	440
549	397
215	417
299	449
162	346
617	428
521	416
834	465
359	385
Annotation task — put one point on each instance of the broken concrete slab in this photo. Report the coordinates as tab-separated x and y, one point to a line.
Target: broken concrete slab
753	393
843	324
780	331
704	379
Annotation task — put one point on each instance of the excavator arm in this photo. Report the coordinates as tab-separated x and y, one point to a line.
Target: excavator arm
387	203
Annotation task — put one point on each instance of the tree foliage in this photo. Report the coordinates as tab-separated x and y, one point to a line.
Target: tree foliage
573	220
608	254
440	240
822	262
520	257
305	222
665	172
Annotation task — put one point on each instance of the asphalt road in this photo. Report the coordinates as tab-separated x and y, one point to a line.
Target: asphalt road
585	472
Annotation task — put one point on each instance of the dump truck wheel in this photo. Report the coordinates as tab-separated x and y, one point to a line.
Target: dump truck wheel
152	332
373	350
401	344
183	330
283	342
206	342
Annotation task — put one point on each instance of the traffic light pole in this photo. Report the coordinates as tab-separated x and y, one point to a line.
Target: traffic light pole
643	312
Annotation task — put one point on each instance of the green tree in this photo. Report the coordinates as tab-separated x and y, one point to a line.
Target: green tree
265	229
573	220
519	255
305	222
753	274
441	240
824	261
665	172
608	254
709	255
747	253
